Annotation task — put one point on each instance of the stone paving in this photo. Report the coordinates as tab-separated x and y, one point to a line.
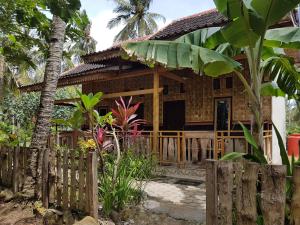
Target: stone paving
178	196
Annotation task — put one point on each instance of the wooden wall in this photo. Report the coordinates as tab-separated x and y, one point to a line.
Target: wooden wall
199	97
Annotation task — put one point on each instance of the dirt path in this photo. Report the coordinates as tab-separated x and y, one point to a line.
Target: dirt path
14	213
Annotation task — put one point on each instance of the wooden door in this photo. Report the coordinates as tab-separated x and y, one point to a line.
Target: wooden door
222	114
174	115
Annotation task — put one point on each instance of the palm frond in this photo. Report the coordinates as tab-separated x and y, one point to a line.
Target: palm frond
114	22
157	16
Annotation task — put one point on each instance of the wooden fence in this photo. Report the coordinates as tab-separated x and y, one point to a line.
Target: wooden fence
13	162
237	191
70	182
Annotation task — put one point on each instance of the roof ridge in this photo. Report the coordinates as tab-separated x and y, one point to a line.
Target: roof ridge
196	15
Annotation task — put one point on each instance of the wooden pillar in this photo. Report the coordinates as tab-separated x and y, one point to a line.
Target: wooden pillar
155	110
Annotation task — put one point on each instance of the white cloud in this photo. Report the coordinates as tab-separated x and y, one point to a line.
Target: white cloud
101	33
105	36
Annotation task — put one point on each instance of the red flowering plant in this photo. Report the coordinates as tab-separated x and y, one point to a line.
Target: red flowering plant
126	121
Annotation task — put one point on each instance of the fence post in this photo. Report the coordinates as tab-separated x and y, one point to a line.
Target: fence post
224	187
295	208
92	184
246	190
45	178
273	194
16	172
211	192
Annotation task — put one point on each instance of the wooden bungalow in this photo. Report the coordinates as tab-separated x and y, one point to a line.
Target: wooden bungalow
190	117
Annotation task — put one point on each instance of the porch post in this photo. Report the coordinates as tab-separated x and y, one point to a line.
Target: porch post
155	110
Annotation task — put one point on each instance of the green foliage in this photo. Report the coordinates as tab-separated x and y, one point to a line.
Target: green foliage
23	107
269	89
181	55
283	152
282	69
258	155
128	188
233	156
25	29
286	37
140	166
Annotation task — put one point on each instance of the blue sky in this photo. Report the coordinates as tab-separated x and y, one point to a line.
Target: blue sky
100	12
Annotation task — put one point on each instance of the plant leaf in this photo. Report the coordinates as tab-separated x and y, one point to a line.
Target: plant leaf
248	136
181	55
232	156
257	152
286	37
283	153
281	70
272	11
269	89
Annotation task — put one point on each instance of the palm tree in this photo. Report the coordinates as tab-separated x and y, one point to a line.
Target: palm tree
84	44
135	15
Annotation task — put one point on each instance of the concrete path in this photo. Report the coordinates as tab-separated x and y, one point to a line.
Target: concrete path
180	198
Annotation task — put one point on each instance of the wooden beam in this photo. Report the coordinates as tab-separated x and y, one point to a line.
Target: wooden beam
112	95
131	93
172	76
155	110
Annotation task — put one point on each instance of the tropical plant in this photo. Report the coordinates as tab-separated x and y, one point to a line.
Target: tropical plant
128	188
250	31
125	115
81	45
126	122
136	17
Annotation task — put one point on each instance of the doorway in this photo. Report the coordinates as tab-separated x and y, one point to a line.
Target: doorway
222	114
174	115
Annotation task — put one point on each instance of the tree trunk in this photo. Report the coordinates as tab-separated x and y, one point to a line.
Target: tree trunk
1	77
42	128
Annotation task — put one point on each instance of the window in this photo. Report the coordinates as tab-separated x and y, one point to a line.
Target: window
217	84
229	83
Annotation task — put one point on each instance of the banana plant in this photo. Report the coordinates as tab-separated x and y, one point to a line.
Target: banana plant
250	31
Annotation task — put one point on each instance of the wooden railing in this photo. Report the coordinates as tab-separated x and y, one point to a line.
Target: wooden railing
234	141
183	147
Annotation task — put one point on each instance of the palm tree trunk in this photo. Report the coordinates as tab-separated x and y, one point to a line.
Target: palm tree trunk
1	77
42	128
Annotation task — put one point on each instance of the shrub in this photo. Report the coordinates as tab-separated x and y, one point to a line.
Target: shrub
127	189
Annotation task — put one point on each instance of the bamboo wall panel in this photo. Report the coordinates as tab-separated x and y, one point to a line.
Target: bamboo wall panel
198	95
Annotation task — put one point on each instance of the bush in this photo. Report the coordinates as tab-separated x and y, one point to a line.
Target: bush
126	189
